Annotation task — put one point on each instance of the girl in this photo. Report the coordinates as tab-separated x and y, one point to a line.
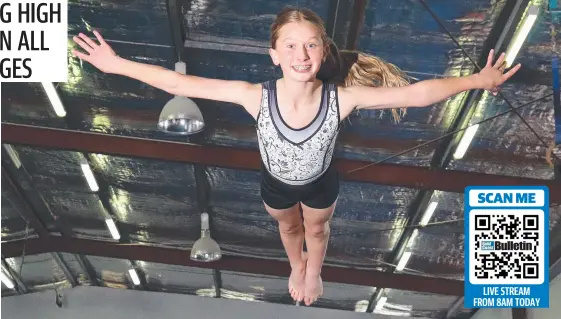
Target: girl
298	118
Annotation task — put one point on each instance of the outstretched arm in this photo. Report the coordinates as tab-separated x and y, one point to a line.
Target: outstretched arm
426	92
104	58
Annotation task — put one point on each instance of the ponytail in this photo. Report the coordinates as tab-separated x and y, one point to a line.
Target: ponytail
349	68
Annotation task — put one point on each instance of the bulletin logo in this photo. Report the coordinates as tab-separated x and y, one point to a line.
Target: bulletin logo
34	41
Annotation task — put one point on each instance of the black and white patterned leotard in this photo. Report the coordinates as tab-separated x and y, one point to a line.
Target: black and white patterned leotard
297	156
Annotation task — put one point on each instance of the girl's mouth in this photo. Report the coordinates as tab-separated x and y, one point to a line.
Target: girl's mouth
301	68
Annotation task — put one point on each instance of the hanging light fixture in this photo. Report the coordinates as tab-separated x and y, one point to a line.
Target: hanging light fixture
181	115
205	249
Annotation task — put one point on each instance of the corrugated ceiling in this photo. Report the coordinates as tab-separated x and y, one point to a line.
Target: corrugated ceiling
155	202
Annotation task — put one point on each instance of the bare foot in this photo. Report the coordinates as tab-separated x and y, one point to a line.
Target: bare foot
296	282
314	288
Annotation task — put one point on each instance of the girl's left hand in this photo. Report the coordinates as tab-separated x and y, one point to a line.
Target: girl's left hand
491	77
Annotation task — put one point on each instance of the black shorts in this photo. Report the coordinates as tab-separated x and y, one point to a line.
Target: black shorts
321	193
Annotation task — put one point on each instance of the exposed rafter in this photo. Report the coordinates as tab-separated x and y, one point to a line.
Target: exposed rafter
174	256
356	22
519	313
65	270
72	119
349	139
35	221
237	158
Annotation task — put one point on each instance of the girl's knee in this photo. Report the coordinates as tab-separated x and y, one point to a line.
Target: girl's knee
317	229
290	227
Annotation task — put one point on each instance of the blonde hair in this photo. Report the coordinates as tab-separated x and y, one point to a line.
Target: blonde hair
345	67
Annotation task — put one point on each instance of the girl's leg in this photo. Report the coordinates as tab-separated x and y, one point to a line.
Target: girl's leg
292	237
316	222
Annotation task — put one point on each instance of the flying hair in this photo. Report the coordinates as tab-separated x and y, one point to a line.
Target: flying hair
344	67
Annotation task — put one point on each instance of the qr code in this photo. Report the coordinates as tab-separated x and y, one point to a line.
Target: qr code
506	246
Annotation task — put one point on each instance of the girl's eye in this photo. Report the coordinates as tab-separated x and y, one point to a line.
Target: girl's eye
312	45
290	46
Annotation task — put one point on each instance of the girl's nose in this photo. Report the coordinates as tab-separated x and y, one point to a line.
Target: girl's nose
302	54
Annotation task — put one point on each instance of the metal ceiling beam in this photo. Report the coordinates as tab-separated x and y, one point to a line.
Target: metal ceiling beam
238	158
555	262
32	215
217	278
27	211
281	268
247	132
355	24
176	27
414	214
36	223
64	267
74	120
337	18
502	30
88	269
349	139
519	313
456	306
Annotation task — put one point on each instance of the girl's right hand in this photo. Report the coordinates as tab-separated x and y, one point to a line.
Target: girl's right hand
99	55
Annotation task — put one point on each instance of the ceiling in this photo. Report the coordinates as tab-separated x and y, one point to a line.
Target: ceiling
154	186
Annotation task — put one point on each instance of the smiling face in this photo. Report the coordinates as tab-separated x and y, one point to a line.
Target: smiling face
299	50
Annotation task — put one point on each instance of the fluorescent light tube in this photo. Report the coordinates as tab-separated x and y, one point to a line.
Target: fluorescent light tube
13	155
466	141
6	281
89	175
521	35
56	103
112	228
428	213
134	276
413	237
381	303
403	261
